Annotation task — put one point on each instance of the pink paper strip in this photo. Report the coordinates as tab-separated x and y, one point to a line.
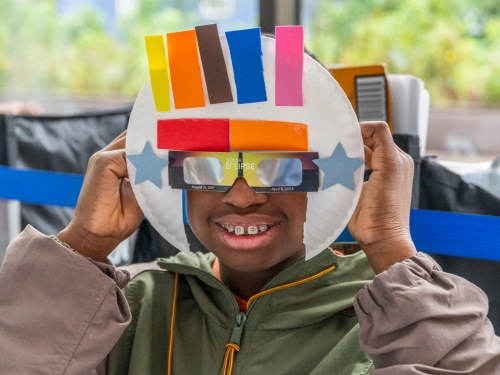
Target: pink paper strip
289	64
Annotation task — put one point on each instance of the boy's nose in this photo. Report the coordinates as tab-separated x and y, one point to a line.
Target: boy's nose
242	196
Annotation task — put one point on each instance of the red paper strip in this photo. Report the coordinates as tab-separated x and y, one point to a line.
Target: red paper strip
194	134
289	65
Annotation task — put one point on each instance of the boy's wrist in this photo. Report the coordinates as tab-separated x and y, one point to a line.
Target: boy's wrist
87	244
389	251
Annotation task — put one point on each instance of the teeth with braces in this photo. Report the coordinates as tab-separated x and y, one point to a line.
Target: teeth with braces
252	230
242	231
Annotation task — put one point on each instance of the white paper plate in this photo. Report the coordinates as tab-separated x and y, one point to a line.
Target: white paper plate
326	111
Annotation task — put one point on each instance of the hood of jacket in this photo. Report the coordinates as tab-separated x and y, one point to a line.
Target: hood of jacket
287	308
296	325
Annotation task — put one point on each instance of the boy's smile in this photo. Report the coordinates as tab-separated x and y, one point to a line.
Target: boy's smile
249	231
246	232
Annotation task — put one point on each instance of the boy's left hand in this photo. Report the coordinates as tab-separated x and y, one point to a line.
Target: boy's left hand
381	221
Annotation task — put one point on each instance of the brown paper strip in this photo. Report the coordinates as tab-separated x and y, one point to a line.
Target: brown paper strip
214	66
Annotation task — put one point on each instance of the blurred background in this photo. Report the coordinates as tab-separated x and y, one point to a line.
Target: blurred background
89	48
73	55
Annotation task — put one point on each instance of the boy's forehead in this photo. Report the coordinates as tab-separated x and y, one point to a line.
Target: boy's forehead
325	116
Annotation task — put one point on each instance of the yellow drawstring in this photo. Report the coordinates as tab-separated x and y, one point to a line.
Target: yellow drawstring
280	287
231	348
172	325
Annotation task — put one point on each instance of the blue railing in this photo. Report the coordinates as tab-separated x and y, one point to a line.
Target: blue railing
446	233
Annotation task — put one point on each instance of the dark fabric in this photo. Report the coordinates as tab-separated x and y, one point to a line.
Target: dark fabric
443	190
56	143
150	245
410	144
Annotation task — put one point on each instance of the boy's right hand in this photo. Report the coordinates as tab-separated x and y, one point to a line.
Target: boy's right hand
107	212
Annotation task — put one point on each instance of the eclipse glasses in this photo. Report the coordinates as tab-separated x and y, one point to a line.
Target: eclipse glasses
263	171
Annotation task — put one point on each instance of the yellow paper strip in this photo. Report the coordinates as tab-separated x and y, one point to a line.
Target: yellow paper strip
158	71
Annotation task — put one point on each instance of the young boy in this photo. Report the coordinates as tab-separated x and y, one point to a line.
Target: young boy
251	306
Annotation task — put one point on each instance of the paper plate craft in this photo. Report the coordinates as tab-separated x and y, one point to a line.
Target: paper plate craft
243	105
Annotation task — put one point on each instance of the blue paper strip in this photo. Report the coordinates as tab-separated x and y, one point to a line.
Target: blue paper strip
184	209
40	187
246	56
451	233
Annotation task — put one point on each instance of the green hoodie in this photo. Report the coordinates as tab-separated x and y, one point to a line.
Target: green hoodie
300	329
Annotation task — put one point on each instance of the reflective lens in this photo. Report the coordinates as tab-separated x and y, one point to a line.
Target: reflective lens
203	171
280	172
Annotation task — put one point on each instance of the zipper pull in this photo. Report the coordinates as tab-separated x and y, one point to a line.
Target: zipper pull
234	344
241	318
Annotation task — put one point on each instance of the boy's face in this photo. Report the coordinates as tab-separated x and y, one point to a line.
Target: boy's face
278	219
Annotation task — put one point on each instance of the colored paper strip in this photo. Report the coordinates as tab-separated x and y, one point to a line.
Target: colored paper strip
289	65
158	72
214	66
187	84
194	134
246	56
267	135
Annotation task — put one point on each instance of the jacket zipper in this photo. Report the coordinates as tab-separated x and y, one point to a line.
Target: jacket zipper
233	345
241	317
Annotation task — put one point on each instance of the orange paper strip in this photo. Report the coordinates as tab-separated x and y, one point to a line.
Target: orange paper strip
267	135
185	73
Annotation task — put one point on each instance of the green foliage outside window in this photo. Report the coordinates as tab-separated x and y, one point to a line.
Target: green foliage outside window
44	52
454	46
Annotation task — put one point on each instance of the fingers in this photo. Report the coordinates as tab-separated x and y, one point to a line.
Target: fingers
110	162
380	150
113	160
117	143
376	134
368	157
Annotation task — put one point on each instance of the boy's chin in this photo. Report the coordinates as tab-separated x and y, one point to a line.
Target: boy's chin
269	259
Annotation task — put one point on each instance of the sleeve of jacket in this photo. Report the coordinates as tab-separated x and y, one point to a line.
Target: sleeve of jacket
59	313
416	319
